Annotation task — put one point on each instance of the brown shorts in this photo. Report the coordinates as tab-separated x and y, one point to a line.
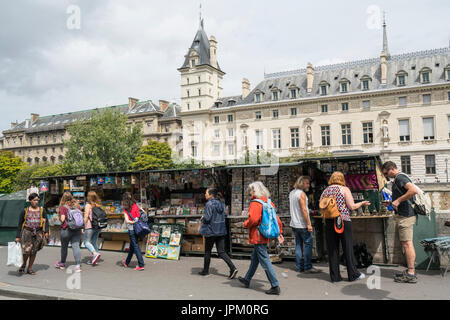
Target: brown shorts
405	227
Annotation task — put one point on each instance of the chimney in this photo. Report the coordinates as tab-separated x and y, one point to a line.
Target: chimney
163	104
34	117
132	102
309	77
245	88
213	51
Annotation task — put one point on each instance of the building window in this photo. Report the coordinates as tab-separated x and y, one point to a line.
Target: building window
231	103
62	149
199	92
193	150
324	108
406	164
36	160
52	159
217	150
258	115
276	138
293	111
188	106
447	74
258	97
295	138
275	113
402	101
366	104
345	106
323	90
448	119
231	132
217	134
326	138
188	93
401	79
62	138
231	149
425	77
187	80
344	87
38	140
448	96
430	164
199	79
367	132
428	128
365	85
259	140
230	118
21	140
193	63
275	95
31	141
293	93
346	134
216	119
53	149
46	139
403	129
426	98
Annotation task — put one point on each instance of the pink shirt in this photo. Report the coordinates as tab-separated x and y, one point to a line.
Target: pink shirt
88	224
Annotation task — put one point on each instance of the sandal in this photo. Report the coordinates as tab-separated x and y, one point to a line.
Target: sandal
22	270
31	272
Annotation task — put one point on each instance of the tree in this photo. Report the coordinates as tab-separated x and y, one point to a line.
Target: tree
9	168
25	176
153	156
103	143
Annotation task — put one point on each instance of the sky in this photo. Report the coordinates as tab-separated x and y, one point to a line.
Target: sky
70	55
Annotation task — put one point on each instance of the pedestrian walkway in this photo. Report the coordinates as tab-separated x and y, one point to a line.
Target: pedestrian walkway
167	280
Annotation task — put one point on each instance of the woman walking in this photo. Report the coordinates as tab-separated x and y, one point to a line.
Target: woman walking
214	229
131	215
32	229
260	255
345	203
68	203
91	233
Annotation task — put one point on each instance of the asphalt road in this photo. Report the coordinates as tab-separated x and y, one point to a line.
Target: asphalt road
167	280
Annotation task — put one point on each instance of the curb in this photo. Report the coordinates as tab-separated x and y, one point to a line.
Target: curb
31	293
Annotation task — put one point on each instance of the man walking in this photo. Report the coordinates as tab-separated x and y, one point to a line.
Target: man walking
402	191
301	225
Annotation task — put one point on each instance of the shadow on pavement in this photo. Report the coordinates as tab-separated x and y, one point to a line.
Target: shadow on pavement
361	290
36	268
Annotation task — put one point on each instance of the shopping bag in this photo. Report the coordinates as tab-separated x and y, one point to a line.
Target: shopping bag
15	257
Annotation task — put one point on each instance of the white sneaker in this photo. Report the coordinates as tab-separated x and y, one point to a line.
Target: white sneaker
362	276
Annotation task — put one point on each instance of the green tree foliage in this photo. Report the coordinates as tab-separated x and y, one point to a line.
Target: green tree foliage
103	143
153	156
9	168
25	176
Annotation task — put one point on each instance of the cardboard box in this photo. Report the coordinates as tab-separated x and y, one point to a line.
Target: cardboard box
186	246
198	247
120	237
112	245
171	221
198	240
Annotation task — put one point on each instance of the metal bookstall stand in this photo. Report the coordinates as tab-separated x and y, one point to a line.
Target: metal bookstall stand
279	179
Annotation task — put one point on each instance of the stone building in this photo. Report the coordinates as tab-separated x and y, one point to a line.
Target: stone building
41	139
397	106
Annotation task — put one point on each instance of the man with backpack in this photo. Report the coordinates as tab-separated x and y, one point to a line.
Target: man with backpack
403	190
261	216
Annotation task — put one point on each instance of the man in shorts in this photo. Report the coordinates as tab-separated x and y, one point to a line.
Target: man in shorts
402	191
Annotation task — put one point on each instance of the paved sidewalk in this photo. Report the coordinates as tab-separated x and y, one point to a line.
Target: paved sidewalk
165	279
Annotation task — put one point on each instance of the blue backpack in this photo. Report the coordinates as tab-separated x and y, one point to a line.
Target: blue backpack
269	224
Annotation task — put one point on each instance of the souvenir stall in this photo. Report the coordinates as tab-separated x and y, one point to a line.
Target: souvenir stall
362	175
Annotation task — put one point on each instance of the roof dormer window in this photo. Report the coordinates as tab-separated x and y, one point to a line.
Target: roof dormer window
365	82
344	85
324	88
275	94
401	78
231	102
425	75
258	96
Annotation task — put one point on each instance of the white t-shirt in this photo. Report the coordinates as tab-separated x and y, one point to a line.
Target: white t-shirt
297	219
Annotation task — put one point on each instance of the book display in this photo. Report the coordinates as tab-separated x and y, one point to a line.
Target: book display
164	241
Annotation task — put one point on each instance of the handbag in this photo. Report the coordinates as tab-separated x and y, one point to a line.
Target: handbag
141	229
328	208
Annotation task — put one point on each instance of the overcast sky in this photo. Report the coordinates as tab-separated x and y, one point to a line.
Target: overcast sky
133	48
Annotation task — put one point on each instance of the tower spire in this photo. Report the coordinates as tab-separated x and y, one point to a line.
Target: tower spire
385	42
200	17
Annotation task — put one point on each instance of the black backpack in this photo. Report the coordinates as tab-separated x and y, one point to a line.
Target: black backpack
99	218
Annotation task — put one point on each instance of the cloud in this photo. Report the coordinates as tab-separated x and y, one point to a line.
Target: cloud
133	48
